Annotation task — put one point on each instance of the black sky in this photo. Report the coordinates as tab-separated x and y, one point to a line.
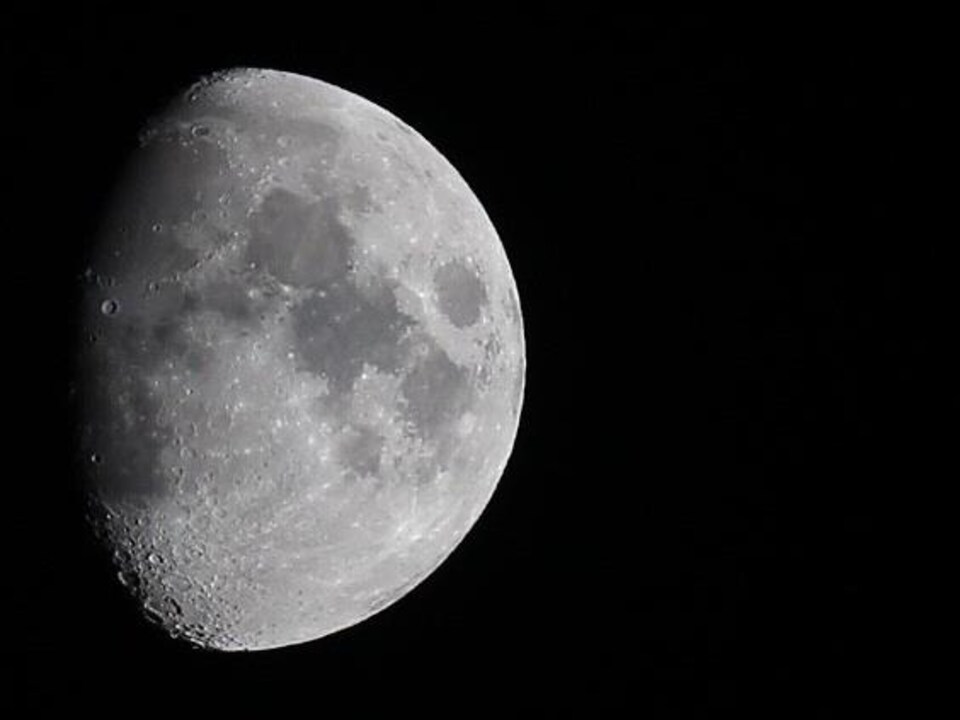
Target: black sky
719	241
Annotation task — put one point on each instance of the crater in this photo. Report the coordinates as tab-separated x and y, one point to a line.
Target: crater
460	293
299	242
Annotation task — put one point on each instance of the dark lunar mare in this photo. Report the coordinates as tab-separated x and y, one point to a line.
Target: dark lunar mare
343	329
460	293
435	391
298	241
340	328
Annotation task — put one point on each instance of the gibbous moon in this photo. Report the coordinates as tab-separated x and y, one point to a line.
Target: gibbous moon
301	362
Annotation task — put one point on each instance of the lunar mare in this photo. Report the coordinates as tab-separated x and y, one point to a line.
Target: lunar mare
301	362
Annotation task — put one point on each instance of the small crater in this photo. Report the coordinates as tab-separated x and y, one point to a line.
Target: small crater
109	307
175	608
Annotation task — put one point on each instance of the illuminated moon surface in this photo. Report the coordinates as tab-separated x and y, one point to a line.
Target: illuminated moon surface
301	362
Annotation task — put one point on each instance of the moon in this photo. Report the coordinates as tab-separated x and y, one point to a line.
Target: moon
300	365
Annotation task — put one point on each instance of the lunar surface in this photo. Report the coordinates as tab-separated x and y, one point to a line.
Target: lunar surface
300	366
